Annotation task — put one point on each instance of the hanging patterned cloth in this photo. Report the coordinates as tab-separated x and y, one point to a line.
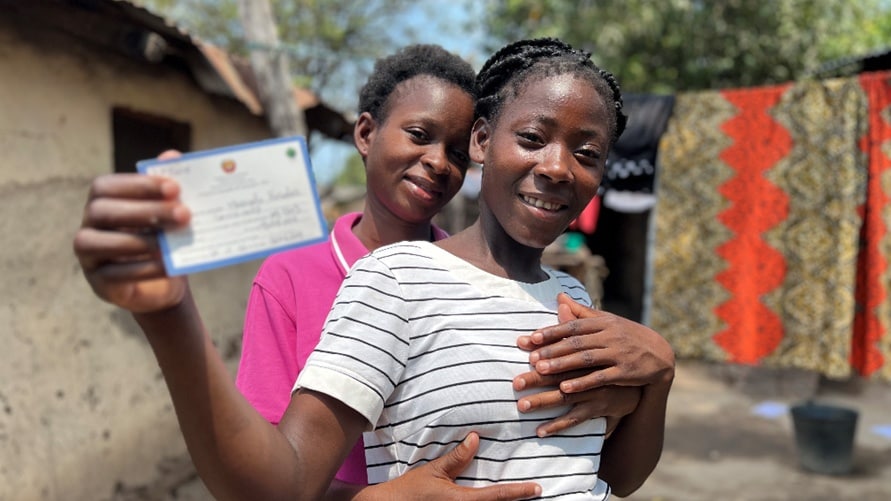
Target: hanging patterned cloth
757	228
871	350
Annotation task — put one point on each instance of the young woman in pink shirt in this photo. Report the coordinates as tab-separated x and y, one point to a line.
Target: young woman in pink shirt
412	132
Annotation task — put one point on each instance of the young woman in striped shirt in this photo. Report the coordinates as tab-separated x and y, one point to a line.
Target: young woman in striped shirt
421	339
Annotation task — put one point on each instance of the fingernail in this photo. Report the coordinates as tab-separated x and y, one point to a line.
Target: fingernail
524	405
534	357
168	188
542	366
519	384
181	214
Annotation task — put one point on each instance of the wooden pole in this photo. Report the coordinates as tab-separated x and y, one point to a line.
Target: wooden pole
271	68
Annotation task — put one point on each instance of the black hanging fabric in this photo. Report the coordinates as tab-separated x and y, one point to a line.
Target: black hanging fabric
632	162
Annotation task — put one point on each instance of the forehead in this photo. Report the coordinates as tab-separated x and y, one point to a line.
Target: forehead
426	91
557	97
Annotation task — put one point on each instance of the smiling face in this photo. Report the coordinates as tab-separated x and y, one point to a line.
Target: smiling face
544	157
417	155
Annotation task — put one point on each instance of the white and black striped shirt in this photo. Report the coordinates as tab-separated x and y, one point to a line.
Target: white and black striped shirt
423	344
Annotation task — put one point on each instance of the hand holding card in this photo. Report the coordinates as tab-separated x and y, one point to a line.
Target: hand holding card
247	201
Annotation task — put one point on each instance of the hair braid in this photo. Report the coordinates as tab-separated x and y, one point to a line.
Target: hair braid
504	74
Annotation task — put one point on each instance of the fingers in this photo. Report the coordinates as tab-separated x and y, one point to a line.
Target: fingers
458	459
574	318
570	386
113	257
537	379
564	311
135	186
591	380
576	309
554	333
505	492
117	256
117	245
612	402
135	215
134	202
543	400
577	414
572	354
580	351
169	154
550	397
129	272
93	246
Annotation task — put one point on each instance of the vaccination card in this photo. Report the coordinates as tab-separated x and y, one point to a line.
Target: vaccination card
247	201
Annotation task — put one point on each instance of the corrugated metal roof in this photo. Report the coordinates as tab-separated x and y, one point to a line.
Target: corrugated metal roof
227	71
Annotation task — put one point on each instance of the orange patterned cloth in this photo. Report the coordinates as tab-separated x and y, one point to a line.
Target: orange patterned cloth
770	231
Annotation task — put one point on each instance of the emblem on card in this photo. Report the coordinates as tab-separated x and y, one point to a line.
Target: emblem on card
228	166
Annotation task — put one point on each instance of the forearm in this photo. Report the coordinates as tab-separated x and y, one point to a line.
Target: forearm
343	491
631	453
237	453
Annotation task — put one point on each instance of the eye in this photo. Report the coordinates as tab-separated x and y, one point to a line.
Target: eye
418	134
591	156
460	158
589	153
530	138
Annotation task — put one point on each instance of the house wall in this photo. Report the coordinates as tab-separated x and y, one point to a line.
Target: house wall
84	413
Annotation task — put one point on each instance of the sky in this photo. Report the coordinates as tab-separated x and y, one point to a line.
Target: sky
327	156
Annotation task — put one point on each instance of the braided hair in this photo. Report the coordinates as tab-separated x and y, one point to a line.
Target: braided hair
504	74
407	63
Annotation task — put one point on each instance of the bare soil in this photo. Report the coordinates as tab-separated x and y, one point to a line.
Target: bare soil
720	444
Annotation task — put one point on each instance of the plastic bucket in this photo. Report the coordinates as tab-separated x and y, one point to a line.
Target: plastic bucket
824	437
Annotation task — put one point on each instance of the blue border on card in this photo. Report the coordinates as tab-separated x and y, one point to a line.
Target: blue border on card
143	165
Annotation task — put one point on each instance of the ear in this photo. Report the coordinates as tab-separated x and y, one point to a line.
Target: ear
479	140
363	133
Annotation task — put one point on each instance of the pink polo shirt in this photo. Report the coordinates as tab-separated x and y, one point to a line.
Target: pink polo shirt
290	299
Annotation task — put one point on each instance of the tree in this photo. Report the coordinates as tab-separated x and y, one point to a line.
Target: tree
673	45
271	68
331	44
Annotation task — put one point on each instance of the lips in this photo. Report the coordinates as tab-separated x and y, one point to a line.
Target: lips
543	204
430	188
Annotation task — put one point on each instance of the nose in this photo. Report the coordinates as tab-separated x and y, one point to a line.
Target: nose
436	158
555	164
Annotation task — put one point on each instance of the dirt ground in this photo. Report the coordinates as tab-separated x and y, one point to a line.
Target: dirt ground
729	437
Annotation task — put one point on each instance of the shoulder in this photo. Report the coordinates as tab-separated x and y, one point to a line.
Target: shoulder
403	252
571	286
307	263
401	260
295	258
